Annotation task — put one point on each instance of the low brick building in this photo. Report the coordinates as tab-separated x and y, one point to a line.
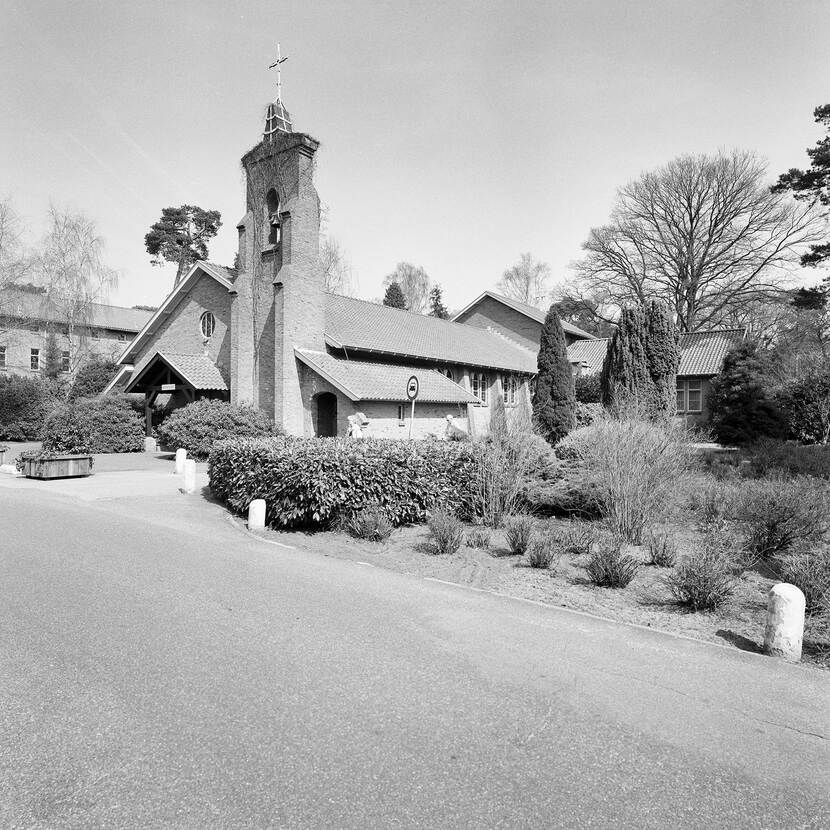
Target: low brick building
28	317
269	335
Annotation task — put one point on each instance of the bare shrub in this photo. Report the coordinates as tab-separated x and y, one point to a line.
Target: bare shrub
543	551
707	578
447	532
781	513
713	502
479	537
634	467
810	571
578	537
370	523
519	531
662	550
609	567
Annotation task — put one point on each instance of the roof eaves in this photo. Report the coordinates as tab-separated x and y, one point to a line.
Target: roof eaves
306	358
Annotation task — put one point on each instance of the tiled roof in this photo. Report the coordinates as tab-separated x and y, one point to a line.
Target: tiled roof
365	381
196	369
370	327
701	352
221	272
528	310
29	305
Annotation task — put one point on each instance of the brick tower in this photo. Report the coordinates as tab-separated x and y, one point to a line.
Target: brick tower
280	299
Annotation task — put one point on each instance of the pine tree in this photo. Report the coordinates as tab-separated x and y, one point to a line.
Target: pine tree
625	378
553	401
394	297
663	357
436	303
51	364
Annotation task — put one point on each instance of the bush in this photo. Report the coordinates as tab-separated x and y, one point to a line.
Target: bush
587	388
24	405
810	571
310	481
632	468
705	579
447	532
609	567
662	550
96	425
807	405
370	523
578	538
544	550
92	378
519	531
785	458
479	537
780	513
587	413
199	425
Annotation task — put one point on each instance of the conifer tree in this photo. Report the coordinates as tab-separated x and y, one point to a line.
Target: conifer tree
625	377
51	364
553	401
436	303
663	357
394	297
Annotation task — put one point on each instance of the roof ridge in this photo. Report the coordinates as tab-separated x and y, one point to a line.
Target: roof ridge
392	308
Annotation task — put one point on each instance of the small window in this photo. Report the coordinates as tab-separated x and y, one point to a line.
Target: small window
681	397
401	418
34	359
508	389
207	323
694	399
479	386
2	357
64	361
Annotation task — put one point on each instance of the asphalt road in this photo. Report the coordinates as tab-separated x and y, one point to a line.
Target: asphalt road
160	668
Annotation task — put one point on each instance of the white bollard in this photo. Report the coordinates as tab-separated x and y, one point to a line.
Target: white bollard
256	515
181	457
785	622
189	476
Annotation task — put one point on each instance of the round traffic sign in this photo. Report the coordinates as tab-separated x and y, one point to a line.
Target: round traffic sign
412	388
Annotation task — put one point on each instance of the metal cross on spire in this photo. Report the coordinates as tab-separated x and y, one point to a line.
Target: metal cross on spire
276	64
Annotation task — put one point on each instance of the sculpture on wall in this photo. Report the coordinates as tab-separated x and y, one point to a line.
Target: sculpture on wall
454	433
356	424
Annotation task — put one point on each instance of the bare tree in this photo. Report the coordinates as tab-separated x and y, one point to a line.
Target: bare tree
72	271
15	261
336	266
527	281
704	234
414	283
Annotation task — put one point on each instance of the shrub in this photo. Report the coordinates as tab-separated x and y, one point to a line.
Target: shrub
479	537
785	458
447	532
807	405
199	425
92	378
587	413
370	523
24	405
94	425
779	513
519	530
706	579
578	538
662	550
587	388
609	567
543	551
310	481
810	571
632	467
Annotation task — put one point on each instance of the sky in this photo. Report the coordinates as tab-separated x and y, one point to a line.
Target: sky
454	135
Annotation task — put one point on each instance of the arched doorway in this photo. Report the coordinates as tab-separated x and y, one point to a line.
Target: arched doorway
326	415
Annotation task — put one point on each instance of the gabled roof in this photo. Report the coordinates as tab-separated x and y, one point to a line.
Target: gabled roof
25	304
363	380
523	308
381	330
197	370
701	352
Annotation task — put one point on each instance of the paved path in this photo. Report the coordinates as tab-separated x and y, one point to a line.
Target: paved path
160	668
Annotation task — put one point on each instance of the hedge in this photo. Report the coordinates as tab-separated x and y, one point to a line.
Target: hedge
94	425
92	378
197	426
312	481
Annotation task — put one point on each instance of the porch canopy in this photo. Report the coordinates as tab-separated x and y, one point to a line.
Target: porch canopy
170	373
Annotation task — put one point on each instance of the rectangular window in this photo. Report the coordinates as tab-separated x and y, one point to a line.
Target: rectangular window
34	359
2	357
64	361
479	386
693	402
401	419
681	396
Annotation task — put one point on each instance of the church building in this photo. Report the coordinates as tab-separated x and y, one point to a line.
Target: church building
268	334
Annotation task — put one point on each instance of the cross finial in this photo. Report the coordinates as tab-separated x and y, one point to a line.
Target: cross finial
276	64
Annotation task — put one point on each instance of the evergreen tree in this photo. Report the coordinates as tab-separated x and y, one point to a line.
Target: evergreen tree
663	357
742	411
51	362
394	297
625	377
553	401
436	303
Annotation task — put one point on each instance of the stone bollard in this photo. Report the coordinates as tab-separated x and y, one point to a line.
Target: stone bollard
256	515
785	622
181	457
189	476
150	445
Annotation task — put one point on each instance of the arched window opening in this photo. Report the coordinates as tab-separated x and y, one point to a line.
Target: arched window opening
272	216
509	389
207	323
448	373
479	386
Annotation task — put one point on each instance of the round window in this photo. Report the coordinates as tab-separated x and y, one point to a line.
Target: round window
207	323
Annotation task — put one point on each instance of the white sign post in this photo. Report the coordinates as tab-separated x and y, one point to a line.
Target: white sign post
412	387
